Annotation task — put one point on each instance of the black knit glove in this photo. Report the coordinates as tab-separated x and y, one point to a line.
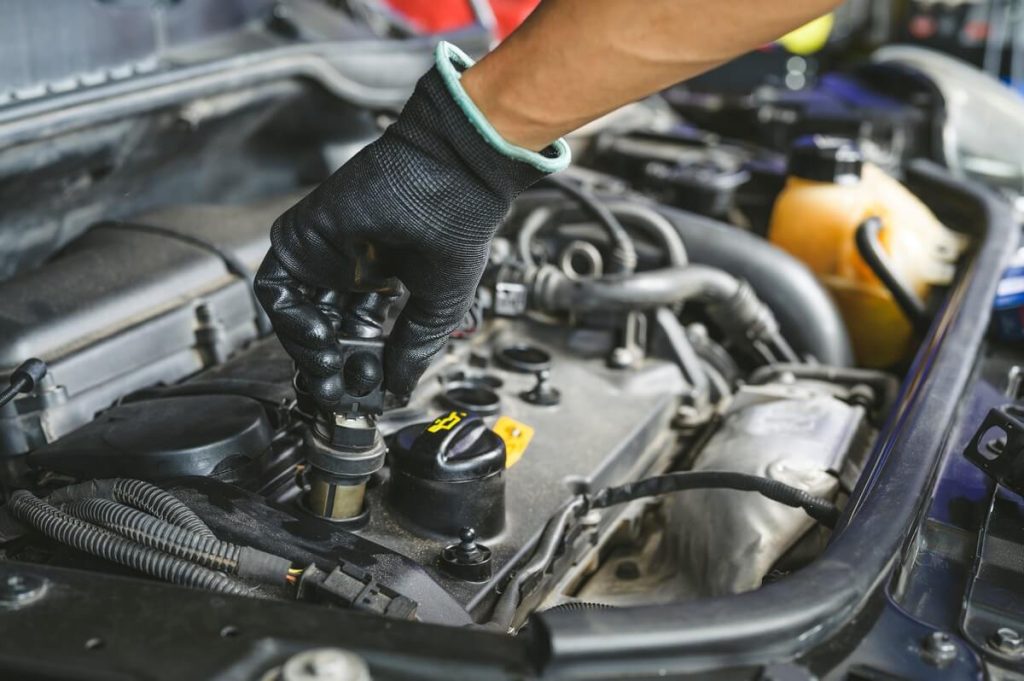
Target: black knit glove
421	205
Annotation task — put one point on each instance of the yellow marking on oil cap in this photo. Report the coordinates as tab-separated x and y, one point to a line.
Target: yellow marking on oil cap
446	422
517	438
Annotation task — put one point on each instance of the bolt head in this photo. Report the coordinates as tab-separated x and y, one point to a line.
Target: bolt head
17	590
939	648
1008	641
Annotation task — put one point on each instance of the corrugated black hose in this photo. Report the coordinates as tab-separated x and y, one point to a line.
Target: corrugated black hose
244	561
80	535
137	494
822	510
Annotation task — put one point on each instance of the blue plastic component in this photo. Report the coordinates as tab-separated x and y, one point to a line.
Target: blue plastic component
1008	308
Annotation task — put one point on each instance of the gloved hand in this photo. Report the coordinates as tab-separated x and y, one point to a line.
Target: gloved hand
420	205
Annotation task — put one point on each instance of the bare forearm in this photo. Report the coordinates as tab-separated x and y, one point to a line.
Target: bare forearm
575	60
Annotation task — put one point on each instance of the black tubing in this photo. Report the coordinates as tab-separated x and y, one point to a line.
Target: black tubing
645	218
23	379
547	546
210	552
623	249
654	288
99	542
138	494
807	315
822	510
232	263
731	303
870	247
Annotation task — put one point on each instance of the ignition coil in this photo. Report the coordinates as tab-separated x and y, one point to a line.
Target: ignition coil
344	447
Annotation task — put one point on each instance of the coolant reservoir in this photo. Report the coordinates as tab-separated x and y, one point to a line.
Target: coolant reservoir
829	193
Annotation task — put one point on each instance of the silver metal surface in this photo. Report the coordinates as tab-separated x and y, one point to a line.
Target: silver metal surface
324	664
797	434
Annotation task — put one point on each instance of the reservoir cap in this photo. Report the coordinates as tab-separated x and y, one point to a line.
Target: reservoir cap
826	159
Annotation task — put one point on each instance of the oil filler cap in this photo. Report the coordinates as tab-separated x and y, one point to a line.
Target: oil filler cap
447	475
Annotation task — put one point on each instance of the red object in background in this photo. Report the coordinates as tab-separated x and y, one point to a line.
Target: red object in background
923	26
438	16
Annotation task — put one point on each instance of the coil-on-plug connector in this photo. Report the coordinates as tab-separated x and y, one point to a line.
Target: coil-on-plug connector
343	447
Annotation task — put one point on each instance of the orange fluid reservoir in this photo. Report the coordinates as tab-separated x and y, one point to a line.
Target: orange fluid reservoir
830	192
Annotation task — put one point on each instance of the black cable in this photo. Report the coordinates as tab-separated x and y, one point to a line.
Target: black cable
80	535
624	255
822	510
541	559
208	551
869	245
138	494
231	262
23	379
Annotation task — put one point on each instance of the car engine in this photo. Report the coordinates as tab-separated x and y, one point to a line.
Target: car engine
564	384
651	402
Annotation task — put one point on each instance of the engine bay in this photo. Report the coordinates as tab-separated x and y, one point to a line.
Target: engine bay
564	385
656	400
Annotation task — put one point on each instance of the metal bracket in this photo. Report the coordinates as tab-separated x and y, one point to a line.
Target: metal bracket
998	446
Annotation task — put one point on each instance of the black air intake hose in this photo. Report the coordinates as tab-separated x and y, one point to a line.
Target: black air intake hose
731	303
246	562
138	494
82	536
806	313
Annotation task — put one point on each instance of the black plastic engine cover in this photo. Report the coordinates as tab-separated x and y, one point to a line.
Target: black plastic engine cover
222	436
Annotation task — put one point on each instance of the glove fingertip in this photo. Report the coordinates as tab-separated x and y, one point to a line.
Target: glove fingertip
403	367
325	390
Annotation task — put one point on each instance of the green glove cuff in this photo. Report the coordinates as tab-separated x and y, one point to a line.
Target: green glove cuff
451	62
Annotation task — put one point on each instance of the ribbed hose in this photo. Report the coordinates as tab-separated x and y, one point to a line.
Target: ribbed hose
82	536
158	534
822	510
572	606
578	606
138	494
